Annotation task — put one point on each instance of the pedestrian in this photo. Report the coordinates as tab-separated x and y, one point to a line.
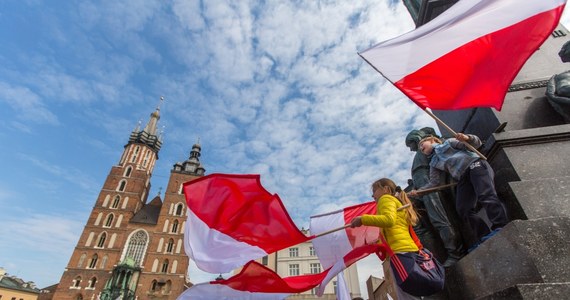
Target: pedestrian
395	222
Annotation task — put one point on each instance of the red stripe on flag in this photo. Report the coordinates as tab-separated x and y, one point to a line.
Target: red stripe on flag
479	73
364	234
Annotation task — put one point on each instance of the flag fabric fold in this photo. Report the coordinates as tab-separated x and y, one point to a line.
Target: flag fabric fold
232	219
467	56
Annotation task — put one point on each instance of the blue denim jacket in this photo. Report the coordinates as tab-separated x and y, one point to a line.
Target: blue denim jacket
452	157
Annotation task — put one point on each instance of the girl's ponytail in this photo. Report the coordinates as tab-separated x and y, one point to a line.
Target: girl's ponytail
396	191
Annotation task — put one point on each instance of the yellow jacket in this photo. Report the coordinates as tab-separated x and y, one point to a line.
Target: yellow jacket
394	224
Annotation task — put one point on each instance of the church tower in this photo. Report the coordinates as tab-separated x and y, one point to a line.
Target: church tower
130	248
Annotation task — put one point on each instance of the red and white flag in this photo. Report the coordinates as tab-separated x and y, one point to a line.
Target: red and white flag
256	281
338	248
334	246
232	219
467	56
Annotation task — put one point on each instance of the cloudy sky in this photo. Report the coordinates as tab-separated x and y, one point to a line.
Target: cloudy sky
268	87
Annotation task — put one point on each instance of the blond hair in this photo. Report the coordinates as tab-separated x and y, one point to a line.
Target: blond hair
396	191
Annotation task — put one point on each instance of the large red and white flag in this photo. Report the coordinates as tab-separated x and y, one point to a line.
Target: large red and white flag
335	249
256	281
332	247
467	56
232	219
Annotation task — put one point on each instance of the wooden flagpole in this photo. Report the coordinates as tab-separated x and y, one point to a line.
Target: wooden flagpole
348	225
438	120
437	188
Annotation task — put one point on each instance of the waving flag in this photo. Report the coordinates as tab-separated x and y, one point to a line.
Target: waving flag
334	248
467	56
258	282
232	219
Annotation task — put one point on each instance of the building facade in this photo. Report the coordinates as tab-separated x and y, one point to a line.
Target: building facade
131	248
422	11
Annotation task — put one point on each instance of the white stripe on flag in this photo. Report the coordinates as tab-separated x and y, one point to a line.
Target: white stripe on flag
208	291
462	23
212	250
332	247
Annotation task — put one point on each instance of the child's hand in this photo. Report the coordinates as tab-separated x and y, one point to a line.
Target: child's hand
462	137
413	193
356	222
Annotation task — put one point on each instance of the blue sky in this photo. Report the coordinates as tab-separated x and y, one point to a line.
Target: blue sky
269	87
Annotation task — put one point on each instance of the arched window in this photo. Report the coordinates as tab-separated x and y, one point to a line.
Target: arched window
153	285
145	161
128	171
75	283
164	268
179	208
81	260
102	239
109	221
136	246
79	297
166	288
116	202
93	262
122	185
175	226
92	283
136	152
104	262
169	246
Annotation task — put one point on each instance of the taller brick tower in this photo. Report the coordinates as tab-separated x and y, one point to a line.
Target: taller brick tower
130	248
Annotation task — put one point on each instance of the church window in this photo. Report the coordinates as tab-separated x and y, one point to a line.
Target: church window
122	185
128	171
104	262
174	226
79	297
166	288
169	246
116	201
134	157
92	283
109	221
145	161
93	262
153	285
102	239
81	260
164	266
76	282
179	208
137	246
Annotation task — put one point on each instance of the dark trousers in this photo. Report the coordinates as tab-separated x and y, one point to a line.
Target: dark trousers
476	186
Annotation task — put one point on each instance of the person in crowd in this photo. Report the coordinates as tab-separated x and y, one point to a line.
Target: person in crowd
475	182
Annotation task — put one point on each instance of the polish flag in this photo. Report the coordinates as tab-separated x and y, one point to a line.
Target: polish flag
232	219
467	56
334	249
256	281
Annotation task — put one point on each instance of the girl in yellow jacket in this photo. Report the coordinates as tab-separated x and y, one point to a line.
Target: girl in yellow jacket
395	223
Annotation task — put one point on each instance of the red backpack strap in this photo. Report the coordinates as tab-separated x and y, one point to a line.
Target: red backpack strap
415	238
